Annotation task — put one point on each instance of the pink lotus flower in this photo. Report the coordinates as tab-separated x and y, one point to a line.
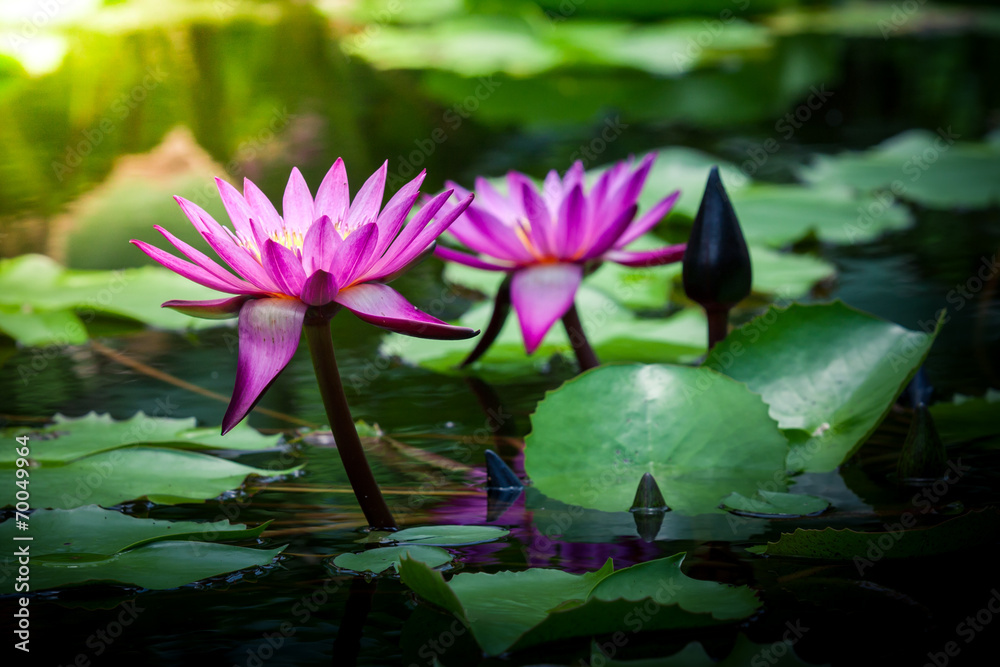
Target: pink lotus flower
546	239
321	255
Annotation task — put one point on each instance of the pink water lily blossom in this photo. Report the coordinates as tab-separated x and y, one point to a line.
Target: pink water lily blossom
321	254
545	239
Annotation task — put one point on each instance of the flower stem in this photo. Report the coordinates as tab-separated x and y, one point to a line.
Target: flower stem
352	454
718	324
585	355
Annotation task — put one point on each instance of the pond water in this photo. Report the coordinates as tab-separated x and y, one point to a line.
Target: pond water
263	88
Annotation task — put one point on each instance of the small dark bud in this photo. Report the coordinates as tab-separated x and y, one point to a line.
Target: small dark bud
717	271
923	456
648	498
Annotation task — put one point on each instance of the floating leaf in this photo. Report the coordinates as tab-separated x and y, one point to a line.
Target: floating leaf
931	169
829	373
160	565
900	540
967	418
162	476
93	530
441	536
40	301
519	609
771	504
70	438
378	560
700	434
90	544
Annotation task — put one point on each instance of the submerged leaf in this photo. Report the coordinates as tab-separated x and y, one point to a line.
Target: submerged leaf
442	536
383	558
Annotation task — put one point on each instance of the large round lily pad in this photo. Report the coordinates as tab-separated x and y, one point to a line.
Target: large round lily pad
700	434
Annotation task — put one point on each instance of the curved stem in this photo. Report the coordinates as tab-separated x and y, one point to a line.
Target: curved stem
718	324
352	454
578	339
501	309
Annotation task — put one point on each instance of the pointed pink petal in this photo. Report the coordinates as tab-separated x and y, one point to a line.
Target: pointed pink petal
386	308
552	189
269	333
354	255
571	224
297	204
491	199
236	256
628	191
333	197
320	245
215	309
459	257
648	220
236	207
192	272
607	237
460	192
206	262
319	289
541	295
673	253
537	212
390	220
574	176
409	234
501	240
428	233
368	201
262	209
283	267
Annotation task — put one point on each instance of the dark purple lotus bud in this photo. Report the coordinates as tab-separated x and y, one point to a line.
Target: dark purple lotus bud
717	272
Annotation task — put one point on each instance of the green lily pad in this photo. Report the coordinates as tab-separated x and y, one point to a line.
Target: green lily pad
160	565
829	373
379	560
778	215
769	504
518	609
440	536
967	418
93	530
931	169
43	303
700	434
900	540
68	438
90	544
613	331
164	476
